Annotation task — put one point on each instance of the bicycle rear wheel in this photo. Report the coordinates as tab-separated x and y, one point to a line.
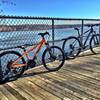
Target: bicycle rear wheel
95	44
53	58
71	47
6	72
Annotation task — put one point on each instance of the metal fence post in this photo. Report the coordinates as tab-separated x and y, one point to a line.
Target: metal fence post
53	35
82	29
99	29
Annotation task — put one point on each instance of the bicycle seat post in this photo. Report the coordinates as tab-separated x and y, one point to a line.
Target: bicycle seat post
77	31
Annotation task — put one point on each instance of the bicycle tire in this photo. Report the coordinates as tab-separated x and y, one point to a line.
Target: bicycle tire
2	77
68	53
60	57
95	38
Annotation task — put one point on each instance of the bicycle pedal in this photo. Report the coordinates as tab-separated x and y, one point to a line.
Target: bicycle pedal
66	54
31	64
85	46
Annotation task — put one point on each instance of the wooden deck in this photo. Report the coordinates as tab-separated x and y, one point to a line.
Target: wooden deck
79	79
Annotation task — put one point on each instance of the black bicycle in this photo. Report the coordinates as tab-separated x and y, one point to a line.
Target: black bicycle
72	45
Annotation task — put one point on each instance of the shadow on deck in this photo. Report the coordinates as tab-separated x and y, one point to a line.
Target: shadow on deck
79	79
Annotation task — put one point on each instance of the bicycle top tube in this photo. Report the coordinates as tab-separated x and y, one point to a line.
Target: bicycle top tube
41	34
89	30
92	25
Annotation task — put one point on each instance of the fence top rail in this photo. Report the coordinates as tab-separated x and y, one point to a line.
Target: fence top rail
46	18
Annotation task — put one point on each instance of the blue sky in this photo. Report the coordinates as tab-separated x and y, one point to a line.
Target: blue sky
52	8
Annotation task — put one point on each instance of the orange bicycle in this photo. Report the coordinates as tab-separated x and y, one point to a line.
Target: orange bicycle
13	64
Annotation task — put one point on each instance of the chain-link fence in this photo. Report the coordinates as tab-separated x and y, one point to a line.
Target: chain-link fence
17	31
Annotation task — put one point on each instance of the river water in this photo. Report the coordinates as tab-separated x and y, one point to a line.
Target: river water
13	39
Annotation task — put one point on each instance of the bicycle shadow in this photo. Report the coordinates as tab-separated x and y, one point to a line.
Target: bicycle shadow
82	55
44	71
35	73
31	74
86	55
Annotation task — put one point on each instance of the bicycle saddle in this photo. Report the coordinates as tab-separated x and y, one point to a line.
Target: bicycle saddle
43	34
76	28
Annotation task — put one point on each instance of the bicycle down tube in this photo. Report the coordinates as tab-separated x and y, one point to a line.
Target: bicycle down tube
39	46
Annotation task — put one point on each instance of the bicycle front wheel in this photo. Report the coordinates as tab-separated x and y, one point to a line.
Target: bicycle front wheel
6	72
53	58
71	47
95	44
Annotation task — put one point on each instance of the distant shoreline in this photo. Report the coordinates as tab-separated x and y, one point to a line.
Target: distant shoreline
9	28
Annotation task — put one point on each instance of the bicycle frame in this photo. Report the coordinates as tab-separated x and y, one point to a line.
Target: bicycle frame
80	37
91	30
39	46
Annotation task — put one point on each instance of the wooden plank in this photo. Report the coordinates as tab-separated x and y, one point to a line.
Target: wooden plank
29	90
86	79
38	91
21	91
81	70
88	66
2	96
89	77
54	88
92	87
65	79
65	90
7	94
85	91
78	79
